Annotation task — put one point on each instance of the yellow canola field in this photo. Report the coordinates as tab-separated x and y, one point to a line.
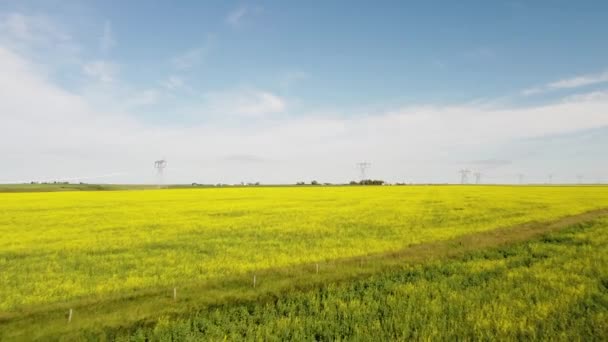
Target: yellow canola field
56	247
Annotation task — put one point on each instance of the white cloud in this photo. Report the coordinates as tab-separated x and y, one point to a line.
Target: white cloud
290	78
62	134
532	91
261	103
31	29
38	37
173	82
592	96
102	71
242	14
142	98
188	59
580	81
18	25
251	103
107	41
235	17
194	56
569	83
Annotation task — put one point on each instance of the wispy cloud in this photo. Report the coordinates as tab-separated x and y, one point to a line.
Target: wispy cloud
32	28
533	91
142	98
194	56
251	103
67	122
188	59
107	41
235	17
39	37
580	81
241	14
173	82
287	79
569	83
102	71
267	126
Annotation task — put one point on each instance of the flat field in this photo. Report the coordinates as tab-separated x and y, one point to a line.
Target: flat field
99	252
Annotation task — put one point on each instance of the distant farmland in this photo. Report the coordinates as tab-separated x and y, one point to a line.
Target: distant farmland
247	262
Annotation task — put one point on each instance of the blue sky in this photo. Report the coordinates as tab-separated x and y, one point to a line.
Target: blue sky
277	91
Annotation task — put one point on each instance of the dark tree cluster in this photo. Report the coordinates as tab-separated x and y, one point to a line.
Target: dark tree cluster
368	182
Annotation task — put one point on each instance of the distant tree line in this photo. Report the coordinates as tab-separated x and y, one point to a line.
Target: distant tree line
314	182
194	184
363	182
368	182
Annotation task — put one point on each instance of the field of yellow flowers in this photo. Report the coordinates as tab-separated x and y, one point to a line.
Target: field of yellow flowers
91	247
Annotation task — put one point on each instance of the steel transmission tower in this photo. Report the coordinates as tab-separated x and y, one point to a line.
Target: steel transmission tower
363	166
160	166
477	177
464	176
